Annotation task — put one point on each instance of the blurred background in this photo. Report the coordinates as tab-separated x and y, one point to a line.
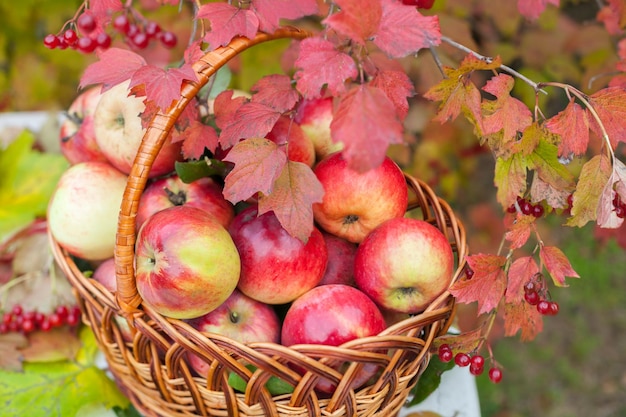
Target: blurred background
577	365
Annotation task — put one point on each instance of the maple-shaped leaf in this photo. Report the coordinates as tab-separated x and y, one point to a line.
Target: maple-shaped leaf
10	355
593	177
486	286
276	92
398	87
103	9
557	265
519	232
162	86
532	9
322	65
114	65
541	190
521	271
404	31
55	345
270	12
572	125
196	138
225	108
366	123
467	341
613	16
615	187
258	163
251	120
610	105
545	161
227	21
532	137
520	315
458	94
506	113
194	52
356	19
292	198
510	178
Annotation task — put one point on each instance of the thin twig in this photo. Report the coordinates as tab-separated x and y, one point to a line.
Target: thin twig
437	60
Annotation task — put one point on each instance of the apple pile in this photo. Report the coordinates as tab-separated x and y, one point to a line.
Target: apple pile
227	270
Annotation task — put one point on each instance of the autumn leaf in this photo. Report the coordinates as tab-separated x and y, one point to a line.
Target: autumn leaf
519	233
251	120
103	9
162	86
486	286
532	137
545	161
532	9
607	217
404	31
270	12
541	190
398	87
320	64
114	65
10	355
292	198
197	137
227	21
276	92
610	105
54	345
557	265
521	271
594	175
356	19
510	178
572	125
225	108
366	123
522	316
258	163
613	16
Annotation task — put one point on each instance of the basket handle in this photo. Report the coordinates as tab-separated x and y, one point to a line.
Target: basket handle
160	126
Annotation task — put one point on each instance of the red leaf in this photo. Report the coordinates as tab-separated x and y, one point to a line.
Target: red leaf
322	65
258	163
227	22
357	19
522	316
506	114
404	31
194	52
607	216
520	231
162	86
398	87
276	92
532	9
269	12
225	108
197	137
557	265
366	123
486	286
572	124
114	66
613	15
610	104
251	120
520	272
105	8
292	198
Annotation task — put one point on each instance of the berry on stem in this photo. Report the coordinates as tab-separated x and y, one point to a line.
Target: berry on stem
86	23
70	37
532	298
462	359
495	375
168	39
51	41
543	307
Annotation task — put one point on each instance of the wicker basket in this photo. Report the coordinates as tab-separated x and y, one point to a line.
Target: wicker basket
152	370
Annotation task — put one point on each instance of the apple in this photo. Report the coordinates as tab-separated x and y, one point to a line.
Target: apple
404	264
105	275
203	193
119	132
84	209
333	315
340	267
276	268
290	137
76	133
239	318
355	203
186	262
314	117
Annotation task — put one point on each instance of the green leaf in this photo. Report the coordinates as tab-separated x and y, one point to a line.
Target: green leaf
510	178
193	170
545	160
274	385
430	379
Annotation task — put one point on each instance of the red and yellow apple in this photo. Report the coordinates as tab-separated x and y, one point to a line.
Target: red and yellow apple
314	117
105	275
340	267
287	134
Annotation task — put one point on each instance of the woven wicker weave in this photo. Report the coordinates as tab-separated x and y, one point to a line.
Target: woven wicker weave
152	370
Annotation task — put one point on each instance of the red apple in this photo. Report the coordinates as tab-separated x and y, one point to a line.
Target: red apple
105	275
276	268
240	318
203	193
404	264
187	264
355	203
119	131
84	209
289	136
76	133
332	315
314	117
340	267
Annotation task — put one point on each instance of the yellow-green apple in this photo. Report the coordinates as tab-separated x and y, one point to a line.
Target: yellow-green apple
276	268
239	318
76	133
84	208
333	315
314	117
355	203
186	262
340	267
203	193
119	131
105	275
404	264
287	134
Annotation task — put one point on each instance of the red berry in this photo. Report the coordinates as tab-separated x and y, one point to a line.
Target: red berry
543	307
86	23
554	308
446	356
469	272
39	317
538	211
17	310
62	44
526	207
620	211
86	45
422	4
62	311
570	201
530	286
51	41
70	37
45	325
4	328
14	326
476	369
103	40
462	359
477	360
495	375
72	319
532	298
133	29
28	326
152	29
140	40
55	320
121	24
168	39
511	209
7	318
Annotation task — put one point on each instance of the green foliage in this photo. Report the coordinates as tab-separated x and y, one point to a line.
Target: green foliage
430	379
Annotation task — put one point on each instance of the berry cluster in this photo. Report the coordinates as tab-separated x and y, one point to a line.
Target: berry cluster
527	208
18	320
535	294
475	362
619	206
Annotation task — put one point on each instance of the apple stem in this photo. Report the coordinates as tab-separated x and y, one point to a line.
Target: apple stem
234	317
